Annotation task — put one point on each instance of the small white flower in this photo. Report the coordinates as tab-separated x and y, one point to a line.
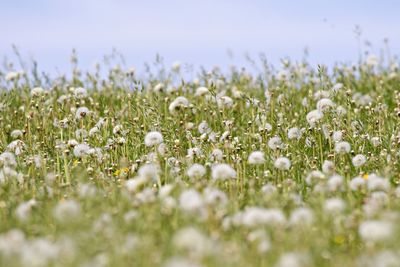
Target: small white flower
325	104
179	103
93	131
181	262
16	134
202	91
80	93
314	177
341	111
158	88
328	167
203	127
256	158
337	87
358	160
224	102
257	216
357	183
16	146
194	242
149	172
132	185
217	155
314	116
191	201
81	150
118	129
275	142
337	136
301	216
294	133
334	205
81	113
196	171
176	66
376	141
7	159
293	259
153	138
376	183
66	211
372	61
375	231
23	211
214	197
335	182
222	171
261	238
342	147
269	189
12	76
37	91
282	163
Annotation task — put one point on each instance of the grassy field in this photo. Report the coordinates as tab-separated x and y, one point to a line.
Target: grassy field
289	167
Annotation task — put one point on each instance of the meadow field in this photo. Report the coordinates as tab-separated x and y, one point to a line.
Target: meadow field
293	165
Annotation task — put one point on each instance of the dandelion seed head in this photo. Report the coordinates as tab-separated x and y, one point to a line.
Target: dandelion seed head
153	139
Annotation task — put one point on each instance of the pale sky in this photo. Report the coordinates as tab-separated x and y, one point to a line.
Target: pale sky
197	32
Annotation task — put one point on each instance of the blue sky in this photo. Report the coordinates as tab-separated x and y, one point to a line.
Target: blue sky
198	32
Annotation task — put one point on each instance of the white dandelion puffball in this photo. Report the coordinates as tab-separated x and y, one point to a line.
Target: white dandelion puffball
153	139
202	91
191	201
203	127
258	216
158	88
12	76
341	111
7	159
224	102
314	116
149	172
359	160
337	87
176	65
16	146
222	171
342	147
328	167
16	134
357	183
179	103
275	142
294	133
216	155
80	93
325	104
334	205
196	171
337	136
37	91
81	150
256	158
301	216
293	259
375	231
376	141
282	163
66	210
81	113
